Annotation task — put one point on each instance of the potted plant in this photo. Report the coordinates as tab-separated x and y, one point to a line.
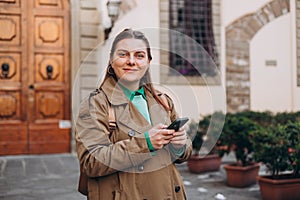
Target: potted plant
278	147
236	136
206	156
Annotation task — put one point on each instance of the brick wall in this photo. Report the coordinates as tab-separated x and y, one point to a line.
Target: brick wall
238	37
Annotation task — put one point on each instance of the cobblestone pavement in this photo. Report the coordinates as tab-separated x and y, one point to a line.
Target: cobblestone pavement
54	177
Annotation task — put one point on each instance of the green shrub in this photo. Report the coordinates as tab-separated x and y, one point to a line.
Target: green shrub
262	118
277	146
236	136
271	138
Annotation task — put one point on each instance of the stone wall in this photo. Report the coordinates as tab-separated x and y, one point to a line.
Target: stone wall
86	35
298	39
238	37
90	36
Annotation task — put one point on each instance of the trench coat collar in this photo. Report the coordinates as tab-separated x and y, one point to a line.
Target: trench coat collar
114	93
137	122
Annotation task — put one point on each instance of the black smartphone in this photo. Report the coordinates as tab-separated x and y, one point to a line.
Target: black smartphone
177	123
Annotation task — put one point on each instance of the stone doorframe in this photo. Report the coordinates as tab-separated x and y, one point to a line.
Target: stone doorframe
238	37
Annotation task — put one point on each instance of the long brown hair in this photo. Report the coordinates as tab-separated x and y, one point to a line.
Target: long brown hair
146	79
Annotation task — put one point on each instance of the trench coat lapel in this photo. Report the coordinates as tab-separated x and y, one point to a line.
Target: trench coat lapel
113	92
128	115
157	113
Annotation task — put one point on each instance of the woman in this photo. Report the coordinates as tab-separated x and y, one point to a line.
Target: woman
135	159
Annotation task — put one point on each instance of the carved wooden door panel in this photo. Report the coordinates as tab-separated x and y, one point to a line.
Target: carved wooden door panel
34	76
13	124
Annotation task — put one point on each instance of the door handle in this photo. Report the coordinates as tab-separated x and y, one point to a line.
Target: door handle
49	71
31	87
5	69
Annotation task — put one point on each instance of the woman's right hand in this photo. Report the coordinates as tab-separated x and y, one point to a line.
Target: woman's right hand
160	136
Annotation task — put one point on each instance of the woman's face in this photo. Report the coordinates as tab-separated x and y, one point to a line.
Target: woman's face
130	61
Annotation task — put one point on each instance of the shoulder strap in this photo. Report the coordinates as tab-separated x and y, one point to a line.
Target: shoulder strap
111	118
163	97
111	113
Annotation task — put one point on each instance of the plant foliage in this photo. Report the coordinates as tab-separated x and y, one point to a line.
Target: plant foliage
278	147
236	136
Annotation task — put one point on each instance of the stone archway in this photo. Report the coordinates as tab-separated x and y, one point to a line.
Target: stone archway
238	37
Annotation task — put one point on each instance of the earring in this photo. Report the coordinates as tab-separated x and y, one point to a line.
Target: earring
110	70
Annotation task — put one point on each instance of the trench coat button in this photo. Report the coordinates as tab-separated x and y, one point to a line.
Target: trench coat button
131	133
177	188
140	168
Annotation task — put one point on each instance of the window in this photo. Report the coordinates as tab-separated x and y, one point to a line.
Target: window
193	18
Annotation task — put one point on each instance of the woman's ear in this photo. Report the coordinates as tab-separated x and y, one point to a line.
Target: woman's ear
148	64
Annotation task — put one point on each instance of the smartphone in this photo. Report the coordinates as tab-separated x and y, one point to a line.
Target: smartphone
178	123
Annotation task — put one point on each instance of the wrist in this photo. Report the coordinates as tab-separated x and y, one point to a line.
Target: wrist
150	146
178	149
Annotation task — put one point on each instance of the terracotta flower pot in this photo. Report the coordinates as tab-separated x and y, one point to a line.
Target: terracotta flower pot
200	164
241	176
282	189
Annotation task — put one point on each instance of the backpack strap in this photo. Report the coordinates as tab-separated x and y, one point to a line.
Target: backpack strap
111	119
164	99
111	113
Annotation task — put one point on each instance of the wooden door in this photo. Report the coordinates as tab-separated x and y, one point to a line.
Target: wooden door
34	76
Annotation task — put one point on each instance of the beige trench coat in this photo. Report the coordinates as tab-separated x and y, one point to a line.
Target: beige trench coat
119	164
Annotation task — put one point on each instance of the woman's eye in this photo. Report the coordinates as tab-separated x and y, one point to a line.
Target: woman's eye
122	55
140	55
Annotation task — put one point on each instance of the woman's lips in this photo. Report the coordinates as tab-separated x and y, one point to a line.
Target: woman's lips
130	70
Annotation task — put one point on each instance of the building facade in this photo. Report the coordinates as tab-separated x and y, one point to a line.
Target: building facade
53	53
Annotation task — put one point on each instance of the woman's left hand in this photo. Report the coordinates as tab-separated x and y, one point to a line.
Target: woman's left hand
179	139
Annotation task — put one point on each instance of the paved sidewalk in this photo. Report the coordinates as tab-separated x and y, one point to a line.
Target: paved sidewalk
45	177
212	186
54	177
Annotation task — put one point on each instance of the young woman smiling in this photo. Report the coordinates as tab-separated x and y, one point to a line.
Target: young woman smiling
134	160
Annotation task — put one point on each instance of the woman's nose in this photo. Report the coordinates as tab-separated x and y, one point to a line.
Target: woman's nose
131	60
